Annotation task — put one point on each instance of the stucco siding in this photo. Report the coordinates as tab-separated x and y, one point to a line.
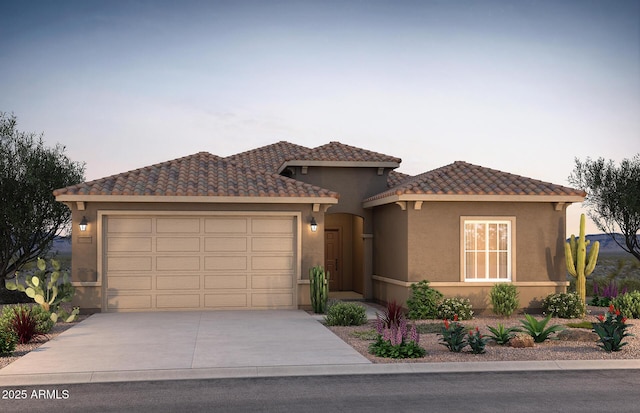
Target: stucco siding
390	250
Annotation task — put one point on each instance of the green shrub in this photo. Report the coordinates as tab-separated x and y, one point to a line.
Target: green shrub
450	307
563	305
8	341
404	350
346	314
423	302
504	299
628	304
538	329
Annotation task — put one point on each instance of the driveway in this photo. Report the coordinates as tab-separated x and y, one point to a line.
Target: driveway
121	342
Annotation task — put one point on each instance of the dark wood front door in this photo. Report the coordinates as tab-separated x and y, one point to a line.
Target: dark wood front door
333	258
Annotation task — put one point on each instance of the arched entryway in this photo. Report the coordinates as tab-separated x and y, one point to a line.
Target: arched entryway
344	252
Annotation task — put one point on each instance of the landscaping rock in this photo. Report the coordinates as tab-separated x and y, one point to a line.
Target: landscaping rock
578	334
521	341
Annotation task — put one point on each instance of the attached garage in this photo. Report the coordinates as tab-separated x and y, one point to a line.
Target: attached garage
190	262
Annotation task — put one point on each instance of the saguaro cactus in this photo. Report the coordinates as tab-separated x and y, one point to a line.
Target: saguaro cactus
319	285
579	263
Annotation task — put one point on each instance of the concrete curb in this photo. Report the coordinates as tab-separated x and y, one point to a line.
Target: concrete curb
318	370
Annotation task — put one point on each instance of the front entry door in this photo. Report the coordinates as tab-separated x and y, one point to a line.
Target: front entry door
333	258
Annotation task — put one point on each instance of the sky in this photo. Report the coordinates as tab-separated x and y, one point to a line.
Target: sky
522	86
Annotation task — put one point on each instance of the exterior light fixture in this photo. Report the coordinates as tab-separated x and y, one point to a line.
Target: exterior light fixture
314	225
83	224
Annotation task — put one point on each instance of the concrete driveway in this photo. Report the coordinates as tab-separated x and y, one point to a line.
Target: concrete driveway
170	341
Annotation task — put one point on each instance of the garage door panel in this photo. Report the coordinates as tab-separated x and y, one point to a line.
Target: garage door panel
224	263
177	263
130	244
225	281
226	225
129	264
129	302
237	300
178	244
129	225
225	244
178	225
178	301
189	262
266	282
272	225
272	263
129	283
274	244
178	282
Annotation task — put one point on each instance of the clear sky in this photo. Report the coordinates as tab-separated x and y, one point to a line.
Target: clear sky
523	86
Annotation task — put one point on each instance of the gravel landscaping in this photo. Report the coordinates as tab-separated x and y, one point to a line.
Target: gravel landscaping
574	344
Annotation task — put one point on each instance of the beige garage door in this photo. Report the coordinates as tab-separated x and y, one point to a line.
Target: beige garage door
199	262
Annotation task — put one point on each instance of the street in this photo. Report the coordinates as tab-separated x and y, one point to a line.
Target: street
566	391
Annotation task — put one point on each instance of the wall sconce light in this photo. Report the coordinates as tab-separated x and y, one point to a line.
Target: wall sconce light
83	224
314	225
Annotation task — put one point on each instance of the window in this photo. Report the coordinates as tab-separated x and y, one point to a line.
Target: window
487	250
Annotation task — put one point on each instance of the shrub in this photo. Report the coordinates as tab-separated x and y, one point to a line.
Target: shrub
611	328
393	314
476	341
628	304
538	329
453	336
563	305
25	322
394	339
502	335
8	341
346	314
504	299
423	302
449	307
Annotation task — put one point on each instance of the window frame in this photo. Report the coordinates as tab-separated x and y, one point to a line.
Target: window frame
511	248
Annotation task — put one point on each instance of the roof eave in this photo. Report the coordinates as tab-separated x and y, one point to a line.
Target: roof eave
340	164
471	198
198	199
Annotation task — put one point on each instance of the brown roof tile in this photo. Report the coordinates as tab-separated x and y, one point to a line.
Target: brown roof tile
339	152
202	174
462	178
269	157
396	178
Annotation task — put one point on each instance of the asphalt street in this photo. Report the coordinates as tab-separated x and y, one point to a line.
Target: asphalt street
531	391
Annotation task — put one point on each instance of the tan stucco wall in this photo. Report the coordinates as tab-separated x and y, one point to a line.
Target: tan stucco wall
433	249
85	252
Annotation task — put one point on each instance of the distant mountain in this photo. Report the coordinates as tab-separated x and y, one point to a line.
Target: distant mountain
61	245
607	244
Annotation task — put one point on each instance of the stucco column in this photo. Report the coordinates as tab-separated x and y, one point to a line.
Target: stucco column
367	266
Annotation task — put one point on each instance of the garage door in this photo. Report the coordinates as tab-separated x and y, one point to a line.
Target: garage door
199	262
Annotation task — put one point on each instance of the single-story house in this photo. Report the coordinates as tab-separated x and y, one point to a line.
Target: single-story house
242	231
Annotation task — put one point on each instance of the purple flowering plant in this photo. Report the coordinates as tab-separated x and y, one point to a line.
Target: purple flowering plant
395	338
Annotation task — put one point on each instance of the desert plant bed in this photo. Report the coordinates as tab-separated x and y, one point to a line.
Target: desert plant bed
574	344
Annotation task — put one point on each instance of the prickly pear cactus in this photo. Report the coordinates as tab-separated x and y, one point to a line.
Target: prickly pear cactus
579	263
47	289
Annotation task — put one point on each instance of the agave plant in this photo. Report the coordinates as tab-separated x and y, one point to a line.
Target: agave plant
538	329
502	335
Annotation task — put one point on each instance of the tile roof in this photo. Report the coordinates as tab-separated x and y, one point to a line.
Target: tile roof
339	152
396	178
269	157
462	178
201	174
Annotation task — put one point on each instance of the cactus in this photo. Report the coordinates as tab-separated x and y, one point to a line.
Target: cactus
319	286
47	289
579	263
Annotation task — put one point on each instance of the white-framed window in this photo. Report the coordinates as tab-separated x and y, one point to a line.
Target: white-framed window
487	249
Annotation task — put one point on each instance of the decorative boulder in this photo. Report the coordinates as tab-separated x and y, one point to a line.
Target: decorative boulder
521	341
578	334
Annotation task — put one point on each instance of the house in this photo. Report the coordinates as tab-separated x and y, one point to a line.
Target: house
207	232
